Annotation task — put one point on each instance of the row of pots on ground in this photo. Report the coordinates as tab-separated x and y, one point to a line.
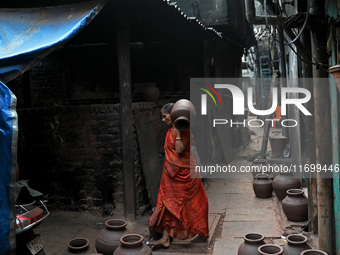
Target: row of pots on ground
296	245
114	239
286	187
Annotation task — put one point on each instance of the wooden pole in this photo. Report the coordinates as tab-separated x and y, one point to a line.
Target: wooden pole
123	48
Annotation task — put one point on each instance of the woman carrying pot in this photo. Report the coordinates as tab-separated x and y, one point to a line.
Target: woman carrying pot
182	204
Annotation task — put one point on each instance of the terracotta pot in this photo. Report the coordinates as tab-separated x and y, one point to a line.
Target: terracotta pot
283	182
295	205
278	144
276	169
257	166
335	70
262	186
296	243
313	252
151	93
252	241
132	244
108	239
79	246
183	114
270	249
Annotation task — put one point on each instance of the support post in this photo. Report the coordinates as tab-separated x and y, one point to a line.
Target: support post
123	48
323	140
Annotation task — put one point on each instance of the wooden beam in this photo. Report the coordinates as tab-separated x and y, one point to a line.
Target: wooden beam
123	48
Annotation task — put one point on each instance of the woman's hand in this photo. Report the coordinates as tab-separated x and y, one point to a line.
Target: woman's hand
179	143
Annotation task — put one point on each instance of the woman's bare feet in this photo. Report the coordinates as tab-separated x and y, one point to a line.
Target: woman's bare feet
164	241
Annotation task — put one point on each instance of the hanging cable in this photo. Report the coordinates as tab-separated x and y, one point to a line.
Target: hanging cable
303	27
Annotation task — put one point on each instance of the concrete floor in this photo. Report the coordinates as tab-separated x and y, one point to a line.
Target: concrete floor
231	197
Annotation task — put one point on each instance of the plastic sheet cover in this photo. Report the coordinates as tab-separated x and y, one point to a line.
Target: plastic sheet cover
28	35
8	156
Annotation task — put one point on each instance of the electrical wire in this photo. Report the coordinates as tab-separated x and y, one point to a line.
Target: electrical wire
299	34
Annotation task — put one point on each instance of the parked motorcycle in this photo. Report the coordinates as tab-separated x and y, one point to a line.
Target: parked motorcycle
28	217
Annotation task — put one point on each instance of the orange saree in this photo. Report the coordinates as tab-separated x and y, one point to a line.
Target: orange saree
182	204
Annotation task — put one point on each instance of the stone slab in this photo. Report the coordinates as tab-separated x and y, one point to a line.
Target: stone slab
218	187
242	187
244	214
239	229
218	202
250	201
227	246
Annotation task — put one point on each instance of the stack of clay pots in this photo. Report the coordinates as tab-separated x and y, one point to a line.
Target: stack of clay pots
115	238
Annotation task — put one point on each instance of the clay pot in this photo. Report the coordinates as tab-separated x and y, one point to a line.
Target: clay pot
183	114
278	144
270	249
108	239
296	243
276	169
79	246
283	182
151	93
132	244
335	70
295	205
252	241
313	252
257	166
262	186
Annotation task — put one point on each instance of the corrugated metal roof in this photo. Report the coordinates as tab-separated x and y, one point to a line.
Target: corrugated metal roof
192	19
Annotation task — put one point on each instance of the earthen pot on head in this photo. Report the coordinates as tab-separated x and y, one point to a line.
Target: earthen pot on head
132	244
283	182
183	114
251	242
295	205
108	239
79	246
262	186
296	243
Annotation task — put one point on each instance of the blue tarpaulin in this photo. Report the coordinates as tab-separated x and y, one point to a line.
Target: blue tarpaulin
28	35
8	152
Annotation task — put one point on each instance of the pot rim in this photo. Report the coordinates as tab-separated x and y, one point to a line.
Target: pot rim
305	252
305	239
87	242
260	237
262	176
138	241
272	245
122	224
295	192
334	68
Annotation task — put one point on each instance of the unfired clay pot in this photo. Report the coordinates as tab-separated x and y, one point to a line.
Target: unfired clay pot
272	249
108	239
262	186
295	205
296	243
251	242
283	182
278	144
79	246
151	93
132	244
183	114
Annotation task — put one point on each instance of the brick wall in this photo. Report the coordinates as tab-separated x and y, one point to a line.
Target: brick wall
73	153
